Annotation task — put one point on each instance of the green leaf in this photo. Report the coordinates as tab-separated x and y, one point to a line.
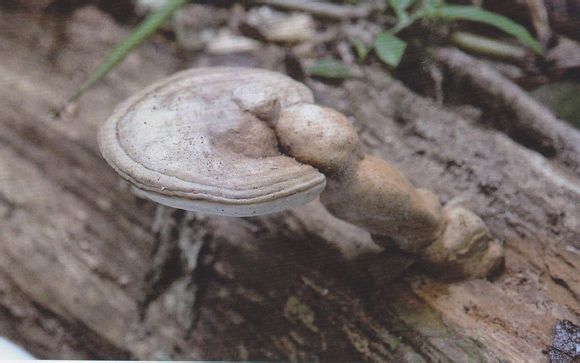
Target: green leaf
400	8
361	49
474	13
389	48
401	4
137	36
430	4
329	68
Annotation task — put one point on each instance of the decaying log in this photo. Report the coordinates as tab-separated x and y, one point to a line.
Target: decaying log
513	110
80	275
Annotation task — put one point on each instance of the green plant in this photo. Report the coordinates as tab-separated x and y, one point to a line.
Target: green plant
390	48
151	23
329	68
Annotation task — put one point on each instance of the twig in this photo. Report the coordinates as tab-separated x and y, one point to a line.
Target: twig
522	117
319	38
539	16
321	9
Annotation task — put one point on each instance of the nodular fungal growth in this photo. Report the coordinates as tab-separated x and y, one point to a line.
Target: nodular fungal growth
244	142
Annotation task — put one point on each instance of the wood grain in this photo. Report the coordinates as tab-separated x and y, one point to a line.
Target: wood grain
76	246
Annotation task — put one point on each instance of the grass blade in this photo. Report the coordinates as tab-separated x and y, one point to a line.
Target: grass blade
137	36
474	13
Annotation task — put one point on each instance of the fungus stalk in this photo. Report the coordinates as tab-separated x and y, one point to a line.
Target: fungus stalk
245	142
370	193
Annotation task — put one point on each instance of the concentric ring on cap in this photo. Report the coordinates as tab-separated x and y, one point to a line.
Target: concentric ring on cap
185	143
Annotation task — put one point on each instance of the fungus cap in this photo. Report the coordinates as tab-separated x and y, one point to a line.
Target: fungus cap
189	143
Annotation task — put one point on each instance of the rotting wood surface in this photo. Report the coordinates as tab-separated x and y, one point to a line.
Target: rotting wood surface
75	244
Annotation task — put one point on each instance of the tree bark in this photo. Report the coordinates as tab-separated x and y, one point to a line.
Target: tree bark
87	270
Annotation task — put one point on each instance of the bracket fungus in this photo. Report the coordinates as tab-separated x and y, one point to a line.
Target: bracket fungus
244	142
